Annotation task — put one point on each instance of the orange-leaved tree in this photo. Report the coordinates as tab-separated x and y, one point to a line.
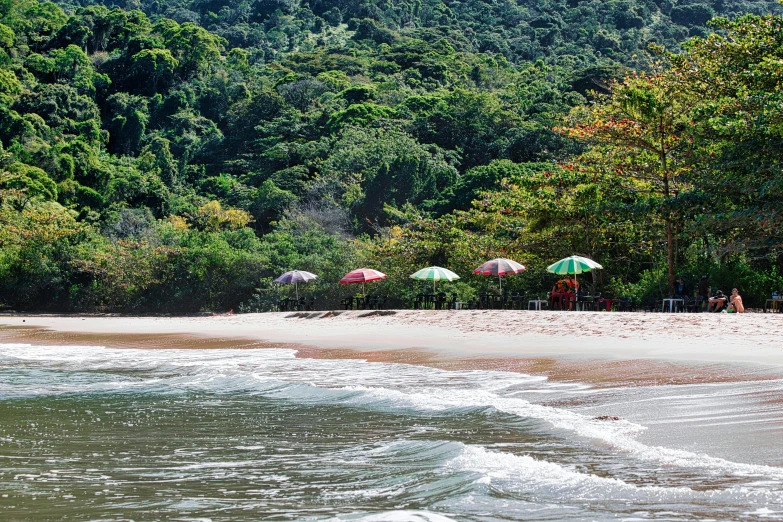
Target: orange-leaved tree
641	132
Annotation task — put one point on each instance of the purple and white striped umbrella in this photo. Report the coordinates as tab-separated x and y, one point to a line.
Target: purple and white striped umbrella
294	277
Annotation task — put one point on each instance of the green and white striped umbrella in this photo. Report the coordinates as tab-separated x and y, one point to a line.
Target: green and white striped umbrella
434	273
573	265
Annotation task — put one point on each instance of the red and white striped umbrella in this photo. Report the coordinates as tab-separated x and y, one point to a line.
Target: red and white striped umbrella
499	267
362	275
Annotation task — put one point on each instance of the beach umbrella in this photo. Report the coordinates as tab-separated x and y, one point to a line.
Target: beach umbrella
499	267
294	277
573	265
362	275
434	273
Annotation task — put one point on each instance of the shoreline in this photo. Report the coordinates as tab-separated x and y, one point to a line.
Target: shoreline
597	347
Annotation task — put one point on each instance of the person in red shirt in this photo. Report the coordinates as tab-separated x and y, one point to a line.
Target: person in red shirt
572	283
557	296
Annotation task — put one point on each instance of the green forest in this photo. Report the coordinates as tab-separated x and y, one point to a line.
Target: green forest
177	156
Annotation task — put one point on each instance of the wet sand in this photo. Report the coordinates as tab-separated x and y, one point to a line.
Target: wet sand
604	349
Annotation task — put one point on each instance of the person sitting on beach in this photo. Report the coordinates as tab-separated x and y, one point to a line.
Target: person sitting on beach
558	294
571	288
718	302
572	283
735	302
703	292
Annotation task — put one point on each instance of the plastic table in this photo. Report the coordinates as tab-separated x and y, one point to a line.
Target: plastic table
537	303
671	302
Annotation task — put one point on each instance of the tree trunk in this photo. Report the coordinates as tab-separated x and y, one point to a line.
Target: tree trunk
667	212
670	254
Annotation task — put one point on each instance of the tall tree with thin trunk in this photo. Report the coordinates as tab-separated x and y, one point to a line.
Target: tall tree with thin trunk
641	132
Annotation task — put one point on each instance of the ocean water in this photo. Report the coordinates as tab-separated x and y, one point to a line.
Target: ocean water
95	433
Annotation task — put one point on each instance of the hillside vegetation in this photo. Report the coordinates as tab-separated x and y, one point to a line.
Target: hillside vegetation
176	156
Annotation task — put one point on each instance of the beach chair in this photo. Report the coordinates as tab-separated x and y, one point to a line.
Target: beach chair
347	303
362	302
440	301
378	302
691	305
586	303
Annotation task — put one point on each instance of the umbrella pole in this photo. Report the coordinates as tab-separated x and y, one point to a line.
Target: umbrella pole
363	291
500	280
296	287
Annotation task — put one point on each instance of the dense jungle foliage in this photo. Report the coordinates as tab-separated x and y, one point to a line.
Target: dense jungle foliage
177	156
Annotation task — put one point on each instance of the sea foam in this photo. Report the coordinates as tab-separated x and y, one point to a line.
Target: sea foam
376	386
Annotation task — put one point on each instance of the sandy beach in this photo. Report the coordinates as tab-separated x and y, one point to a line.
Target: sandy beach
591	346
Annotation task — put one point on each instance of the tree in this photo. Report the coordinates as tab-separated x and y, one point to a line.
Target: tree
642	131
155	65
156	155
694	14
485	178
213	217
379	167
474	123
270	203
10	87
737	76
302	93
22	184
35	246
64	110
129	121
7	36
38	21
194	48
69	63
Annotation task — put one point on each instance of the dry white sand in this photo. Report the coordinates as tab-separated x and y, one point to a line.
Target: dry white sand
704	338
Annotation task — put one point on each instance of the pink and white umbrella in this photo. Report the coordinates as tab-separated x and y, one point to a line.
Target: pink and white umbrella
499	267
362	275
